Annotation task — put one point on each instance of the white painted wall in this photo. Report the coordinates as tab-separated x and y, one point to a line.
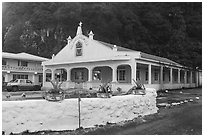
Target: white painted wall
94	52
91	49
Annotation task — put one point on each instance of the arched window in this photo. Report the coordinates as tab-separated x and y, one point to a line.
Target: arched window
78	49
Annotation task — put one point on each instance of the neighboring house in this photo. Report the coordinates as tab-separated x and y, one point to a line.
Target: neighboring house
22	66
92	62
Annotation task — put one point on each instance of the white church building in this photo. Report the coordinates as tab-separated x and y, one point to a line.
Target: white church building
92	62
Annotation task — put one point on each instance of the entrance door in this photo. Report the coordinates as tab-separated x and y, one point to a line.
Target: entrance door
79	75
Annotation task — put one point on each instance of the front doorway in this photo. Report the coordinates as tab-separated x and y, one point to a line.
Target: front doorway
102	74
79	75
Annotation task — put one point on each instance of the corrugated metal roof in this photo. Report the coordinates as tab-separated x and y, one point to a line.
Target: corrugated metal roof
111	46
23	56
157	58
143	55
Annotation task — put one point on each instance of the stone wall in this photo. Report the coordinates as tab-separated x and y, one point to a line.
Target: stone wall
35	115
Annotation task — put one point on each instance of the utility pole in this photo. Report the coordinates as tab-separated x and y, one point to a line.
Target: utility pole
79	99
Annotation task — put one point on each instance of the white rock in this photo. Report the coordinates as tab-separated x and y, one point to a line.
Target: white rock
162	104
191	100
197	98
173	104
185	101
168	105
181	102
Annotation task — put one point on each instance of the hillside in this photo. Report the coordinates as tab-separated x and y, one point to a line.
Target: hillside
170	30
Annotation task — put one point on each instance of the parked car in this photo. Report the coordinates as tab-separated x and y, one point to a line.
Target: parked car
22	84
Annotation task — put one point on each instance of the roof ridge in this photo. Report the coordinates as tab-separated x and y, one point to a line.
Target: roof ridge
170	61
22	55
120	48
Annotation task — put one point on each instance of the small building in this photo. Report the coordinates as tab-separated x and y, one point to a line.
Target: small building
22	66
92	62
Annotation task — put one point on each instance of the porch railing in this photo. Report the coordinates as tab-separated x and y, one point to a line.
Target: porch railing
22	68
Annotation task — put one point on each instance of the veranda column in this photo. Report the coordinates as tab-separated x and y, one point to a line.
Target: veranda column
53	74
114	73
161	74
68	74
191	77
185	76
179	78
171	75
133	71
34	75
149	74
197	84
90	73
44	75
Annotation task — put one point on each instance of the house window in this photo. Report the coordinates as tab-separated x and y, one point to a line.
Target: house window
163	76
3	78
175	77
169	76
121	74
79	75
78	49
194	77
40	78
3	62
18	76
22	63
138	75
156	76
146	75
48	77
97	75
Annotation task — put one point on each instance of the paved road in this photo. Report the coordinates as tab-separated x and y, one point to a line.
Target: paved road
180	120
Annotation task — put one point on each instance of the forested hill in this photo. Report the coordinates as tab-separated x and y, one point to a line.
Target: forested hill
171	30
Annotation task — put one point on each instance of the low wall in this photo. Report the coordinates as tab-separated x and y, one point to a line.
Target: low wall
170	86
35	115
124	86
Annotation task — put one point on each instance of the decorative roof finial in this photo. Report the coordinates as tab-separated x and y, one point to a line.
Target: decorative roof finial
115	48
91	35
69	40
53	55
79	29
80	23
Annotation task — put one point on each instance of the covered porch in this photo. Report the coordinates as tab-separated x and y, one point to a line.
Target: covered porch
120	74
90	76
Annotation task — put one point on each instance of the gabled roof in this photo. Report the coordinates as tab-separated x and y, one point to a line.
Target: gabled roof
23	56
143	55
160	59
111	46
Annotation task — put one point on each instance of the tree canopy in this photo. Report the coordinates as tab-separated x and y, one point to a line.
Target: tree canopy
171	30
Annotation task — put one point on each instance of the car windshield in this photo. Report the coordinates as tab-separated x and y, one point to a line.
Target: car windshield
14	80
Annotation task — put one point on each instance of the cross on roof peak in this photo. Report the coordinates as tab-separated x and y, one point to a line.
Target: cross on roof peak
80	23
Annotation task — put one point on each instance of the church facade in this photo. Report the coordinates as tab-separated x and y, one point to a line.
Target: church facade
88	63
